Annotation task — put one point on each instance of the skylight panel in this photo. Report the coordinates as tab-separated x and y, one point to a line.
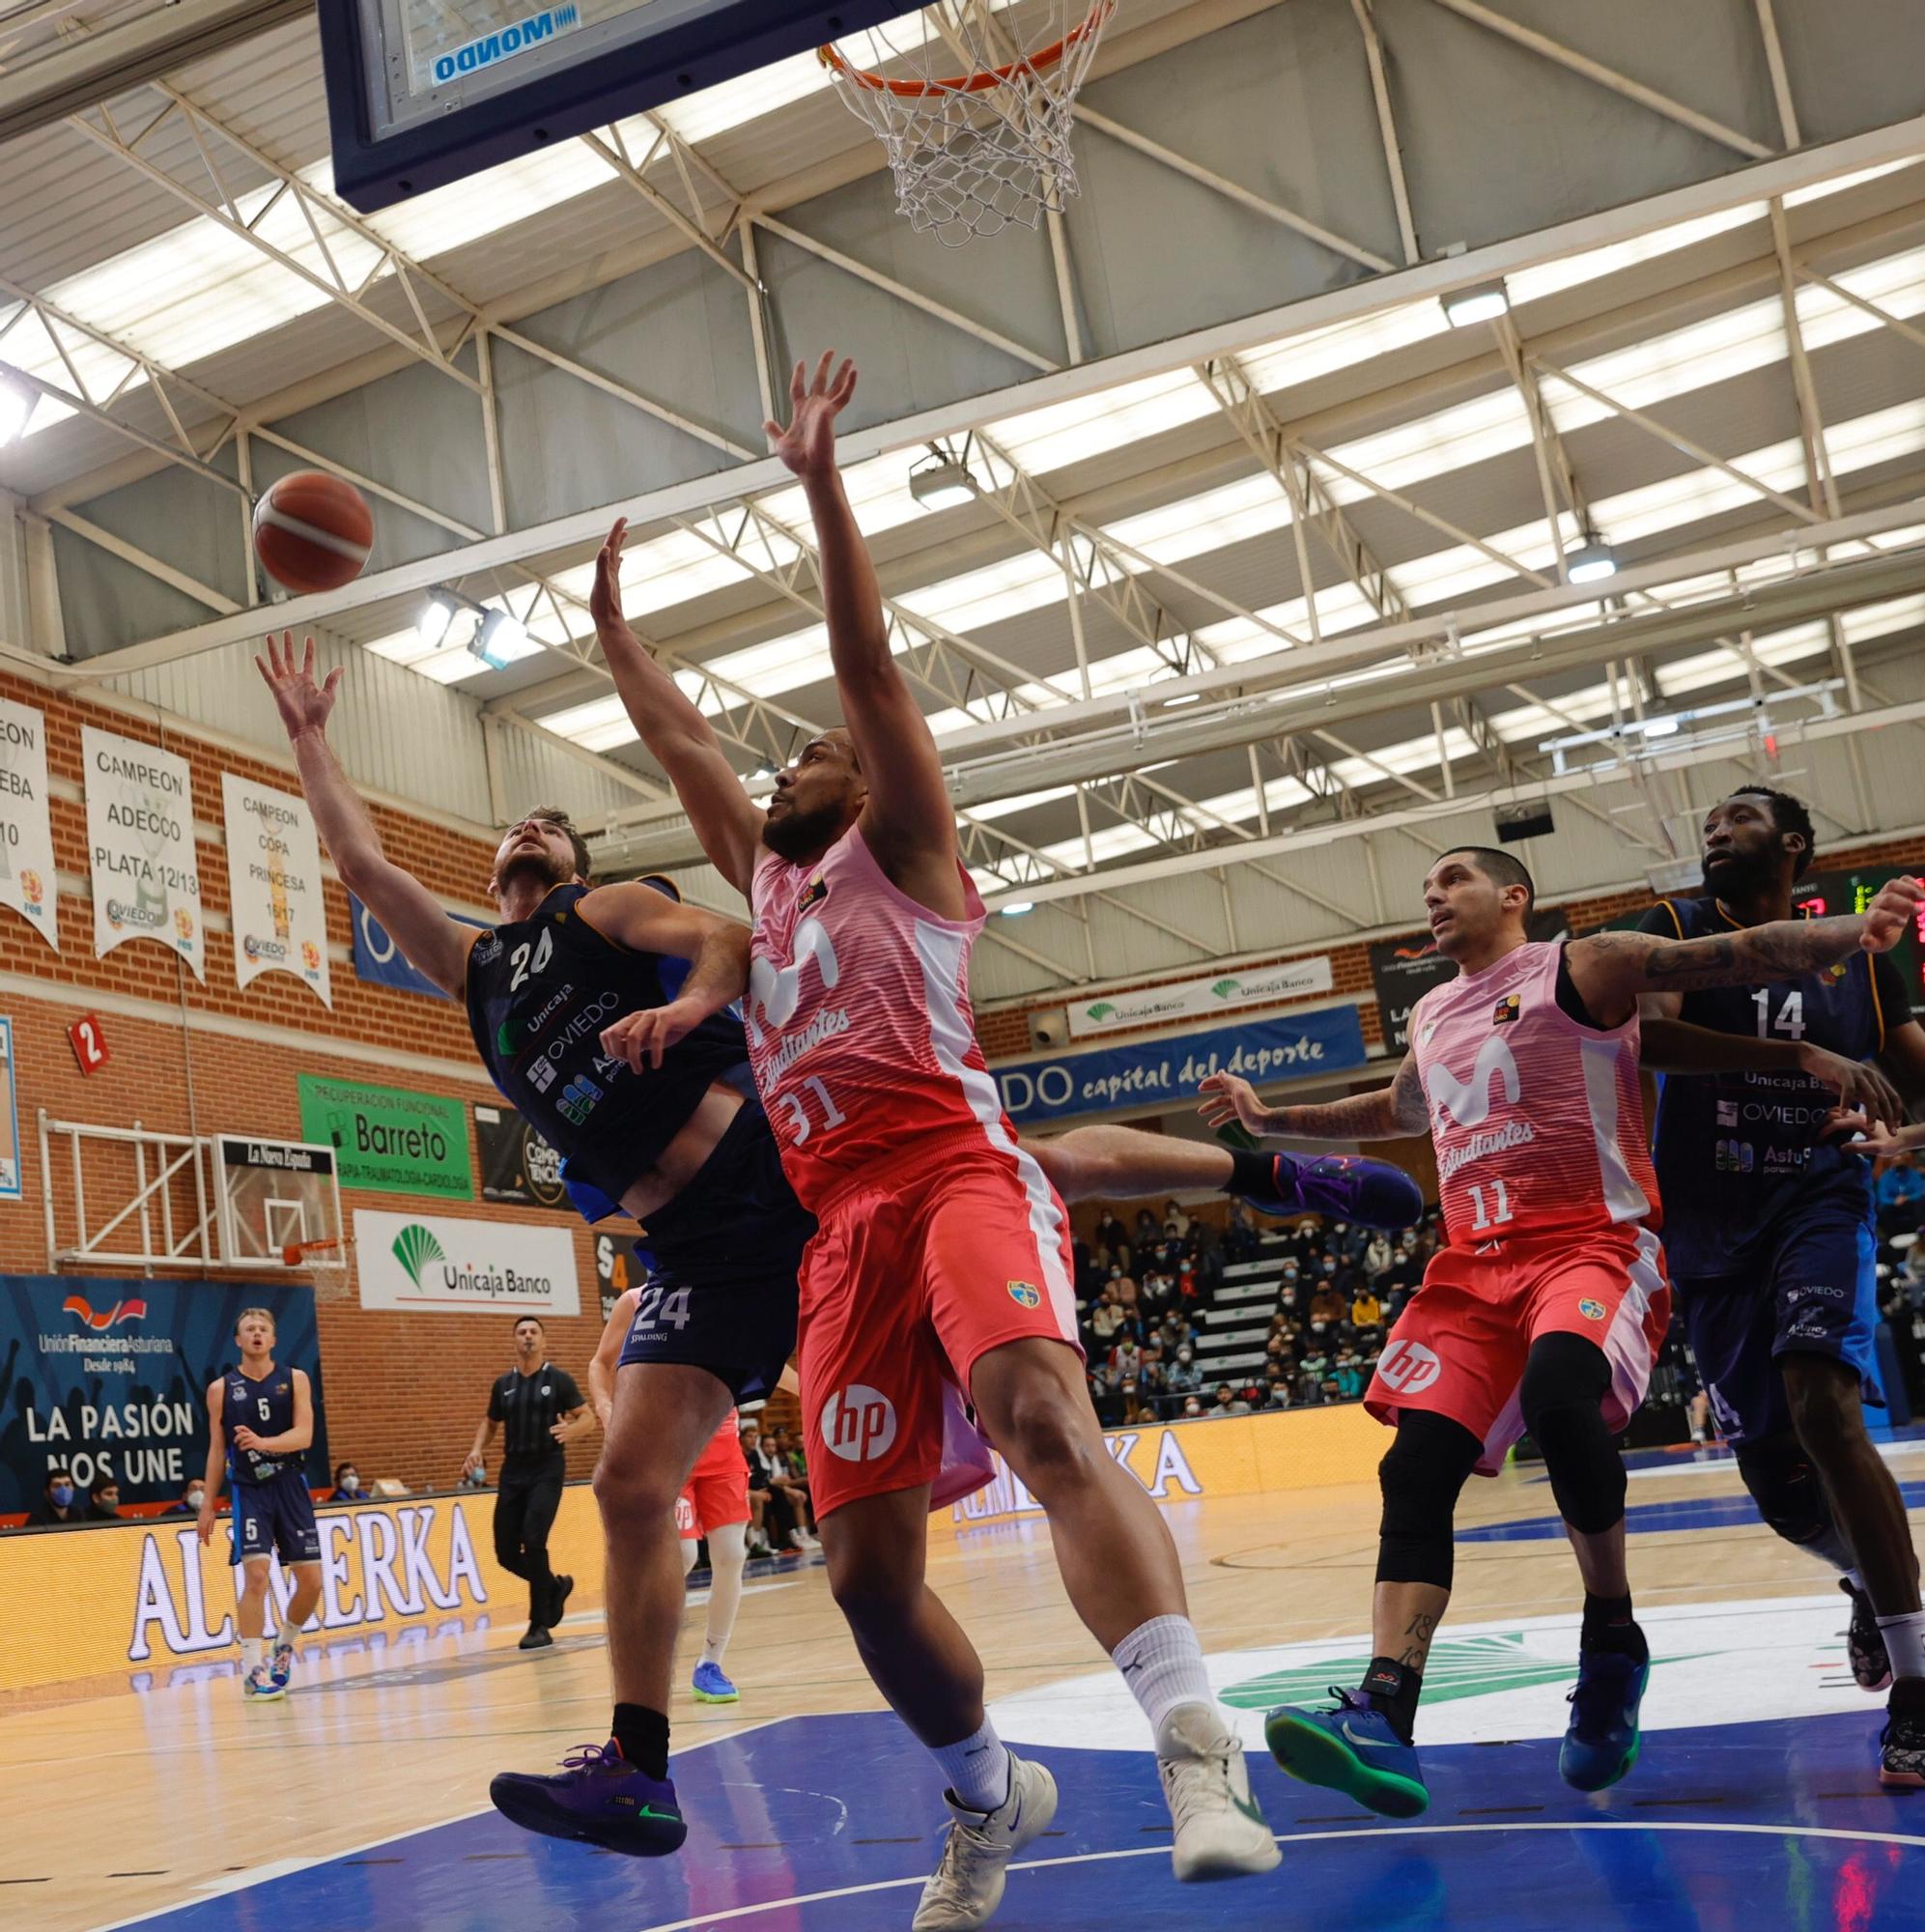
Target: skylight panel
1448	439
1528	285
1072	432
1838	183
1323	351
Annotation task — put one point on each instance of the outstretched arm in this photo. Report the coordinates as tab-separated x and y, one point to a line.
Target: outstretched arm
908	822
607	1355
678	737
1611	970
1386	1114
434	944
643	919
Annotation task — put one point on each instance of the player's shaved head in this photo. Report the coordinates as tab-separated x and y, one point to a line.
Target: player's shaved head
1500	868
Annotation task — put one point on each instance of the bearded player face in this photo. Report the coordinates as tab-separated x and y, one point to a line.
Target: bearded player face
1745	852
817	799
538	850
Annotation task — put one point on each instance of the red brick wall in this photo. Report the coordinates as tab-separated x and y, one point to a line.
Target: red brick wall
403	1390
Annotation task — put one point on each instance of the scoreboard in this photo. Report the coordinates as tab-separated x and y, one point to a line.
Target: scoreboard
1827	895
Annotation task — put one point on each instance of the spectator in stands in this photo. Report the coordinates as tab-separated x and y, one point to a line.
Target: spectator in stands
1900	1193
61	1503
1134	1412
1326	1303
347	1486
1313	1369
773	1523
1192	1407
1276	1386
1184	1377
1225	1398
1348	1376
1149	1230
1111	1232
1106	1398
1107	1317
1126	1358
1175	1220
1377	1256
1240	1239
1152	1384
103	1500
189	1501
1366	1310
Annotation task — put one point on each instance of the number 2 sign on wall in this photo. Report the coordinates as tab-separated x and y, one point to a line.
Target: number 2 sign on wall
90	1044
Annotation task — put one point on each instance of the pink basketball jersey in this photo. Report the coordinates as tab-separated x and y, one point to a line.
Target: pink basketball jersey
1537	1121
859	1029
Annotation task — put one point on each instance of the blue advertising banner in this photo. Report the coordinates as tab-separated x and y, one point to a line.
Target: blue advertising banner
110	1378
379	960
1167	1070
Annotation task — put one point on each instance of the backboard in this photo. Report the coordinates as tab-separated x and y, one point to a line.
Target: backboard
273	1197
421	93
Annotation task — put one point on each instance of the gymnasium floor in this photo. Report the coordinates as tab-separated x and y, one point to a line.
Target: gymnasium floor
362	1801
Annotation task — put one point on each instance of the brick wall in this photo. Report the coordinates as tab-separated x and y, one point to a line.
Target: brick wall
403	1390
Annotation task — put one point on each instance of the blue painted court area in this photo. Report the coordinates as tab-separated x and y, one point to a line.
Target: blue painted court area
831	1825
1647	1518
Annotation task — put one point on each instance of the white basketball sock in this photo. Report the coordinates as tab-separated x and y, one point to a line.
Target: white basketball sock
1162	1661
253	1651
977	1768
1905	1642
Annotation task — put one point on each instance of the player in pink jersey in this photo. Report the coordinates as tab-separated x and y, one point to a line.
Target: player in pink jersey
1545	1308
941	1262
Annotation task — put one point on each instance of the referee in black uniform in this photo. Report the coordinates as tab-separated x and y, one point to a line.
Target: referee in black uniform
539	1407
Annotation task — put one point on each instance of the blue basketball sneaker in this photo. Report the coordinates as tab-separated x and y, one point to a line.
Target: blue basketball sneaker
1344	1186
711	1687
597	1799
1603	1742
258	1686
1351	1750
281	1666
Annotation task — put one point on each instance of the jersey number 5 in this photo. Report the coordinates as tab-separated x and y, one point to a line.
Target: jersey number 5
266	1415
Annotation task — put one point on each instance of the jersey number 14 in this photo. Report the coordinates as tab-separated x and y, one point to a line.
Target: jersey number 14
1791	1013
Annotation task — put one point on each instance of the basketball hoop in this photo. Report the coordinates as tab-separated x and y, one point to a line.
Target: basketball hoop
974	150
310	1254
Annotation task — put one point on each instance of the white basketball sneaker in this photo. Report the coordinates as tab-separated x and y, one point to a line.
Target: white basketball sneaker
967	1886
1219	1831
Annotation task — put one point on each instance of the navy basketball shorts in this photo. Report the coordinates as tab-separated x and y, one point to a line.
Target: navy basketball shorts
723	1255
276	1519
1812	1291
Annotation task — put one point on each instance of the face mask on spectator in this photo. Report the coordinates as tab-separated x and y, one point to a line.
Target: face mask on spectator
196	1498
62	1495
1184	1355
1192	1407
350	1482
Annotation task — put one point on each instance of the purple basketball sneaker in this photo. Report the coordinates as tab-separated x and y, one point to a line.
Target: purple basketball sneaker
597	1798
1344	1186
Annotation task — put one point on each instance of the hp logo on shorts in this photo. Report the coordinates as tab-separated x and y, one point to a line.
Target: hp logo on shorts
858	1424
1408	1368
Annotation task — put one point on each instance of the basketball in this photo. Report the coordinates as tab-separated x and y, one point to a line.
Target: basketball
312	531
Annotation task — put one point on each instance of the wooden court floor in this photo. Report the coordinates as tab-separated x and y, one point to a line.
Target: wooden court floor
122	1803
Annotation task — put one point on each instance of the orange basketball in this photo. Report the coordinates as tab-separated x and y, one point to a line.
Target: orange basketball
312	531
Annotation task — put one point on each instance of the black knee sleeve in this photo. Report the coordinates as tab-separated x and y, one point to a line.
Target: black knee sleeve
1421	1478
1788	1494
1566	1380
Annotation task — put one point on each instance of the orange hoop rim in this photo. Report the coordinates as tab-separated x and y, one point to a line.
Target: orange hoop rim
1093	23
294	1253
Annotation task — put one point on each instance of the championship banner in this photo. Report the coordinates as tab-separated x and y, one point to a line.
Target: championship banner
1295	979
1167	1070
140	840
144	1599
391	1140
461	1265
1209	1456
273	886
109	1379
517	1165
26	825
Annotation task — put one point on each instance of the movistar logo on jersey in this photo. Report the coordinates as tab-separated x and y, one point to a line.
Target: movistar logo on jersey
1468	1102
415	1247
775	991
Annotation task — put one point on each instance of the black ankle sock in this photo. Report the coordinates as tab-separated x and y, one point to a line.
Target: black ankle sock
1251	1173
1608	1625
1394	1689
644	1736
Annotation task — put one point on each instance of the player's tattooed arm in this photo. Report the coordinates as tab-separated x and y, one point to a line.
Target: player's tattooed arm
1387	1113
1611	970
678	737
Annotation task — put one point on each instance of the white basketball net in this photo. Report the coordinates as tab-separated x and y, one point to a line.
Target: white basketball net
977	121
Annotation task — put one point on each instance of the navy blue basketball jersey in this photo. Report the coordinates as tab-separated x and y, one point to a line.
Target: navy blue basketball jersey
539	993
267	1408
1735	1152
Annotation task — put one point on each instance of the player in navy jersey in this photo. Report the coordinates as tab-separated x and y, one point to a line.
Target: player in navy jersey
259	1428
1769	1233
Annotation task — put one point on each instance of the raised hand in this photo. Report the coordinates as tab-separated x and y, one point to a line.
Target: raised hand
605	598
303	704
808	445
1229	1097
1889	914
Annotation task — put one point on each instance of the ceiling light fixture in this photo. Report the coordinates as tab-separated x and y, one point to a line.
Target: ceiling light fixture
1016	908
499	638
1486	301
942	482
1591	562
438	614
